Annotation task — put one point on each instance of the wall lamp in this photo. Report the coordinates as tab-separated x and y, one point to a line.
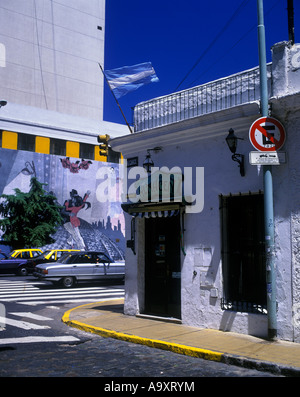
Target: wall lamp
231	141
148	162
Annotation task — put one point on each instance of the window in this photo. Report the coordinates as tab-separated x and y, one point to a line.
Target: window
243	253
113	157
26	142
83	258
102	258
58	147
86	151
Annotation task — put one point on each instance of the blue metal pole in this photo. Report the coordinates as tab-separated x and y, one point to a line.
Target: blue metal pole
264	98
270	253
268	186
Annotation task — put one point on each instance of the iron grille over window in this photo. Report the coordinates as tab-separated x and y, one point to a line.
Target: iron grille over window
243	307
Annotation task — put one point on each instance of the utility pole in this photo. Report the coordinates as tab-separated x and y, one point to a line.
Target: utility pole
268	186
290	4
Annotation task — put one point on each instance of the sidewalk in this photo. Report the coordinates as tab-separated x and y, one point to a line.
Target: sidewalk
106	318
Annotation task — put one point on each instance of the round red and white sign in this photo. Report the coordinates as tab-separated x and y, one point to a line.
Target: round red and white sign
267	134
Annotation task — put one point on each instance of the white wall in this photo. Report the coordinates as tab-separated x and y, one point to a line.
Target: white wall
49	54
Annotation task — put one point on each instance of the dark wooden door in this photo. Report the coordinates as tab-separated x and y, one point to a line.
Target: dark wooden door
163	270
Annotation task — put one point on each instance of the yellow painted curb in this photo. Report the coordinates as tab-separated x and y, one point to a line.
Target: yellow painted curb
174	347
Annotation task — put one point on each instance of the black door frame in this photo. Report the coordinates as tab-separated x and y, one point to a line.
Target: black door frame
163	266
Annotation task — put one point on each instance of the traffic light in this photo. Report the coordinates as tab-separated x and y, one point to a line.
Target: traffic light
103	140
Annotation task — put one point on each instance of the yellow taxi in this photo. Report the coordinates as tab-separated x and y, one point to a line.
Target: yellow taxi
23	261
48	256
54	255
25	253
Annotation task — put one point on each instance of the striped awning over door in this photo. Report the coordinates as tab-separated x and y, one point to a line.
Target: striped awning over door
156	214
147	210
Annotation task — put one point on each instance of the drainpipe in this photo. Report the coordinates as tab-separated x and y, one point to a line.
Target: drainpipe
268	186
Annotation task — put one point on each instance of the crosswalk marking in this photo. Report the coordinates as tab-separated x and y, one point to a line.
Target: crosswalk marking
38	339
53	307
28	293
31	315
18	284
14	287
56	292
21	324
34	303
51	297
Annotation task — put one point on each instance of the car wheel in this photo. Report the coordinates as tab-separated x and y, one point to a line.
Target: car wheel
22	271
68	282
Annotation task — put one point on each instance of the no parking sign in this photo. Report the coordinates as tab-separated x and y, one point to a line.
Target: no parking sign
267	134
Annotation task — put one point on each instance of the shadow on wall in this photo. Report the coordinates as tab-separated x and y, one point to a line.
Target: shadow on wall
254	324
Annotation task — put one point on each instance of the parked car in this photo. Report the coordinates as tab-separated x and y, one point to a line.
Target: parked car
3	255
46	257
81	266
25	253
17	261
49	256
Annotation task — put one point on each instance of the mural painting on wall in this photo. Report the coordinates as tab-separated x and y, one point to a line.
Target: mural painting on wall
88	224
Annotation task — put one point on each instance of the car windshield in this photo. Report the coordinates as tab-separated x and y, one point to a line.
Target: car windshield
11	255
42	255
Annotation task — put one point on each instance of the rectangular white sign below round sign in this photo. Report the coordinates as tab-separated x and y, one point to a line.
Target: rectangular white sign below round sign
267	158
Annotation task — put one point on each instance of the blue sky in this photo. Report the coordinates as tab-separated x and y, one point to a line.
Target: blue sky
219	37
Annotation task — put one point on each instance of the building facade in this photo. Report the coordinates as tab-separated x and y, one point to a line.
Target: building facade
51	92
49	55
199	256
50	77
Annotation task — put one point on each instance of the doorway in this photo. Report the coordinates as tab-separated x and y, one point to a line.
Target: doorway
162	267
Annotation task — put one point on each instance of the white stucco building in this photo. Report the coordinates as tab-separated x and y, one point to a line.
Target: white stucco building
204	264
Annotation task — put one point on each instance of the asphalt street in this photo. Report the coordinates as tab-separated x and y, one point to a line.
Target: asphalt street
34	342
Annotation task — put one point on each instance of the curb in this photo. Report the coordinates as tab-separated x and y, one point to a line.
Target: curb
205	354
158	344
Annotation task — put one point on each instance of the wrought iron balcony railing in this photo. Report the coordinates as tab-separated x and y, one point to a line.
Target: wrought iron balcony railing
217	95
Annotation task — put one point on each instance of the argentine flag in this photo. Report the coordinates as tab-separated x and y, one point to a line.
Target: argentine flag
130	78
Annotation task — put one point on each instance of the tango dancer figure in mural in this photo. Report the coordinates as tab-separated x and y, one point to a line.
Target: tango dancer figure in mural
73	206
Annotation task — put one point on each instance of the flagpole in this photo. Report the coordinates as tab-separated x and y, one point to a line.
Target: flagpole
115	99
